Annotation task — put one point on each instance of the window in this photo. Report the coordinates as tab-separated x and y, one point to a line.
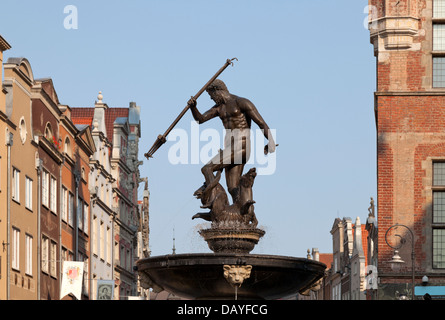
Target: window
438	207
70	209
79	214
15	185
128	260
438	72
438	44
67	255
53	259
438	9
102	241
67	146
86	282
48	132
95	237
45	188
64	204
85	217
53	204
28	193
45	254
109	245
438	248
438	219
122	256
15	259
28	268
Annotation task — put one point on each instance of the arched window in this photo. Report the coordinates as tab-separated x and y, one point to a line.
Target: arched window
48	132
67	146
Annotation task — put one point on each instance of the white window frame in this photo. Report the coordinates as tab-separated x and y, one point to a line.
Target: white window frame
15	257
28	193
101	241
85	217
64	204
70	209
15	184
95	238
45	254
109	245
53	195
29	258
45	188
79	213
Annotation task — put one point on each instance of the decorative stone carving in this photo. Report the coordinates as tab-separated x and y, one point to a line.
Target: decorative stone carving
236	274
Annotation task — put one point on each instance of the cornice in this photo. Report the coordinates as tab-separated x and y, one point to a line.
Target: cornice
439	92
4	45
50	149
102	205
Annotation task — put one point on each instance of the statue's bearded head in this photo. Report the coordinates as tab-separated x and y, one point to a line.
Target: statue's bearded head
217	90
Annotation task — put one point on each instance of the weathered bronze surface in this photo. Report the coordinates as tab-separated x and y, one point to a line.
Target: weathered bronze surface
236	114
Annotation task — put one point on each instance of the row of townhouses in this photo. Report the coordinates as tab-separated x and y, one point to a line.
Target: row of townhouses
69	183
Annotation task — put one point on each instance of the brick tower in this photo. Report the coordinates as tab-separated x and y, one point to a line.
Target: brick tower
409	45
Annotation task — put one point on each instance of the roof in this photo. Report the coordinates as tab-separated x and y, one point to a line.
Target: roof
326	258
81	115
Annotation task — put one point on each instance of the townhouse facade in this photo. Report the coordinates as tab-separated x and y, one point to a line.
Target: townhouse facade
19	210
121	128
68	190
346	279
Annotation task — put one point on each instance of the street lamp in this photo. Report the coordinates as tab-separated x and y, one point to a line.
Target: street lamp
396	260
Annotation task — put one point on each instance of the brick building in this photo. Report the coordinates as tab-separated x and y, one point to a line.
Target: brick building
409	45
77	145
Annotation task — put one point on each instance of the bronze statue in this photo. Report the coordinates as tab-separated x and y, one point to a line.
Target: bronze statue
236	114
222	213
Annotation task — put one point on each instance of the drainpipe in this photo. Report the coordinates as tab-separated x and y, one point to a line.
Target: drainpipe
9	143
76	222
60	224
39	237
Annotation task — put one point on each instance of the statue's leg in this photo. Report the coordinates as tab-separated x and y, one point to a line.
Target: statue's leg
233	174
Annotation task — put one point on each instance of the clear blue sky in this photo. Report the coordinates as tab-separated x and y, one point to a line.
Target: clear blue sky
307	65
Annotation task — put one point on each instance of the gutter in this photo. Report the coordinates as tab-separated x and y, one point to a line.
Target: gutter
9	143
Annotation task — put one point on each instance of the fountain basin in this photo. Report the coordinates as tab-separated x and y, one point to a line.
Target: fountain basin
200	276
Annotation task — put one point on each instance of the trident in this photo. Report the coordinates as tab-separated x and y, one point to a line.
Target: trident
161	139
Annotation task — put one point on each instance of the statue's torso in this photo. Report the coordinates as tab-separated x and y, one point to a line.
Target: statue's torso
232	116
